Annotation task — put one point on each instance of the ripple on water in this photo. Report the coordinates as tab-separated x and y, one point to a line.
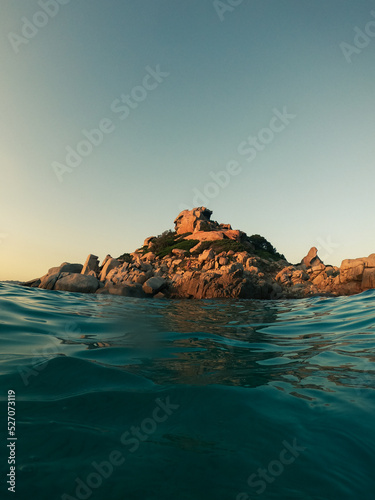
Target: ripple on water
246	377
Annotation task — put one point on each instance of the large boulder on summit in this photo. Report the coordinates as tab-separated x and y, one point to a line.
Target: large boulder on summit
197	219
197	222
77	283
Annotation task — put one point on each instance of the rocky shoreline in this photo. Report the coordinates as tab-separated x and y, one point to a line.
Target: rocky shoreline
203	259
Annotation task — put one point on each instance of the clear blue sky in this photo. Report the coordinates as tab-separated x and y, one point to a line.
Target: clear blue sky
312	182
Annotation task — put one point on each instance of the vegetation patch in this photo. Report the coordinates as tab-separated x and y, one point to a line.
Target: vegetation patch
125	257
181	245
223	246
254	245
163	241
264	249
163	244
227	245
202	247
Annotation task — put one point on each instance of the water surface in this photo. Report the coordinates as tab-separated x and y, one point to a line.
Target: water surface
121	398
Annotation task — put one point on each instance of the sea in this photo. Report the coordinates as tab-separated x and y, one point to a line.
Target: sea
116	398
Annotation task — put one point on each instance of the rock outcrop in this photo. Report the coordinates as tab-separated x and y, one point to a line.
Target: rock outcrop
108	266
91	265
205	259
197	219
312	258
68	277
154	285
77	283
198	222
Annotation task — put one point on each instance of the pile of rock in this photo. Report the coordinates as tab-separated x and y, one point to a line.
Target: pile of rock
203	272
198	222
314	277
310	277
67	277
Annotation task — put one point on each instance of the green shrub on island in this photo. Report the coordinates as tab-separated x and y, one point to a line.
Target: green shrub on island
163	244
264	249
181	245
254	245
202	247
226	245
163	241
125	257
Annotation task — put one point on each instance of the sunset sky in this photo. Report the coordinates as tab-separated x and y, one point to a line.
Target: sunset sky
183	91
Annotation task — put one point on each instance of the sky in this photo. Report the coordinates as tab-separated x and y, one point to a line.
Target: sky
118	114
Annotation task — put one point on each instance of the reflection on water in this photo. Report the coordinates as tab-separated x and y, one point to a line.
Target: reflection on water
300	346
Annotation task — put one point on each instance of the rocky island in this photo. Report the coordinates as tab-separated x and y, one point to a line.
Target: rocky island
203	259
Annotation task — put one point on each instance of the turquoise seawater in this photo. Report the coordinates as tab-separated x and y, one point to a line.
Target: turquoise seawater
130	399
